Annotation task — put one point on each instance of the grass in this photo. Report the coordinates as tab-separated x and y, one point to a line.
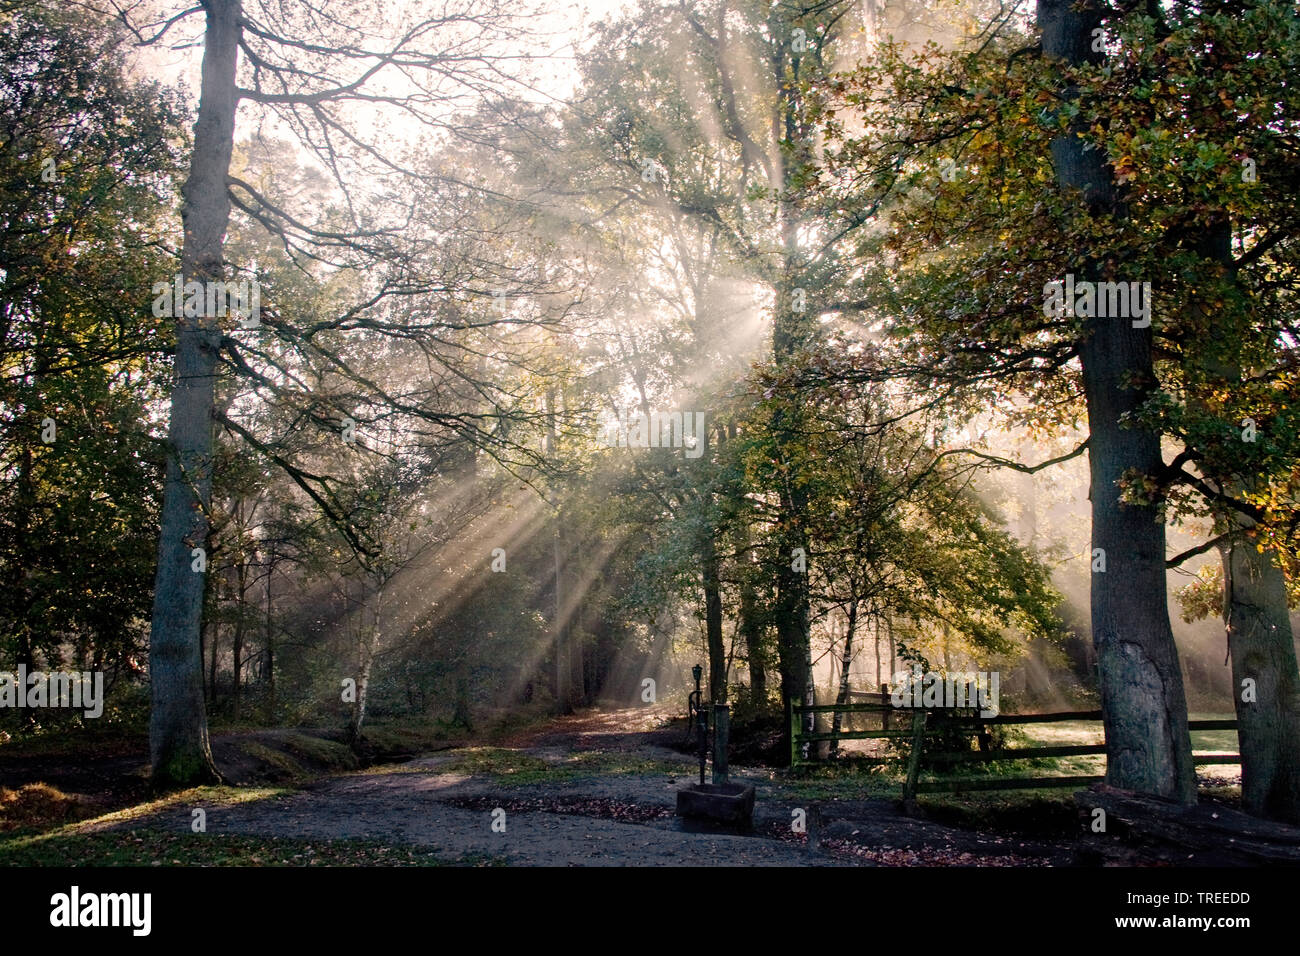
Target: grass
1038	812
498	762
88	739
327	753
276	758
156	848
208	797
835	782
831	781
45	826
405	737
1081	733
42	836
615	763
39	810
1089	732
515	766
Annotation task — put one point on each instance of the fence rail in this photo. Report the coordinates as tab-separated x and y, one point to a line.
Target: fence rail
933	722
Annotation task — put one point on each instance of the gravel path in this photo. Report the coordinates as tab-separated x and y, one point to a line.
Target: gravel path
413	808
624	819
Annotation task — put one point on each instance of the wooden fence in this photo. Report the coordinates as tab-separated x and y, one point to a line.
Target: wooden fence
918	724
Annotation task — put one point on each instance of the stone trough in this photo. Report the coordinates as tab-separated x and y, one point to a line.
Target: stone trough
731	804
721	804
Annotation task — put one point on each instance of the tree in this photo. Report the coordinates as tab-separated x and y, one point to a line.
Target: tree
85	171
903	543
445	60
721	152
1148	748
1028	204
1226	241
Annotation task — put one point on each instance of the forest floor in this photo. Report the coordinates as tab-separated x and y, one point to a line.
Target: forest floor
597	788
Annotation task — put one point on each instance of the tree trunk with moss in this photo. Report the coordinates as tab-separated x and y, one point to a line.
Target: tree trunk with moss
178	727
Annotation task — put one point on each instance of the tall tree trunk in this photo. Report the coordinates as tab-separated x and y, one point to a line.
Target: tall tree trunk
209	633
793	649
756	655
1148	748
205	641
178	728
563	684
238	640
577	651
1261	645
369	646
563	666
26	660
1262	648
22	520
792	331
790	611
751	624
893	647
461	715
214	640
363	687
25	509
1147	743
270	647
846	662
751	632
875	631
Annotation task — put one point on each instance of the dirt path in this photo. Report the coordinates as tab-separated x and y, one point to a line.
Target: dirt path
562	816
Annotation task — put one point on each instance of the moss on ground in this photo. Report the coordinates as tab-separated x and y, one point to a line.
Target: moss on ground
387	737
331	754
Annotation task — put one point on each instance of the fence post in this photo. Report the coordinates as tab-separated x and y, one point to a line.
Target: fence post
914	759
